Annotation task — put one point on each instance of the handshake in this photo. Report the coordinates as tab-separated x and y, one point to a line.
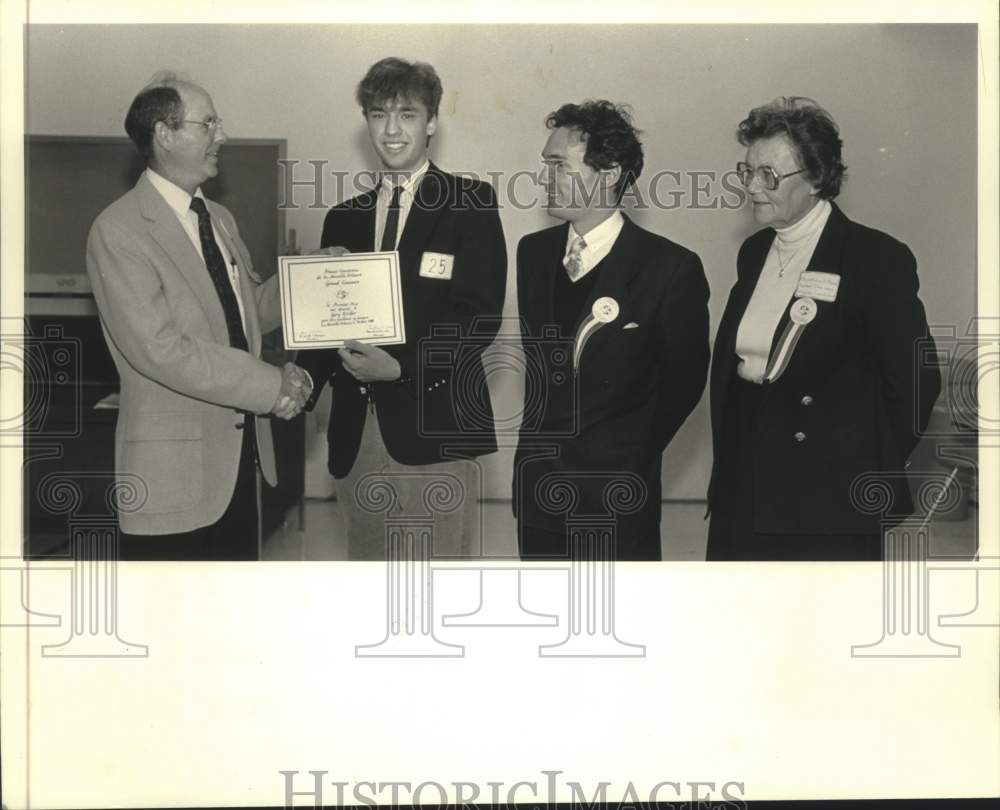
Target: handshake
296	386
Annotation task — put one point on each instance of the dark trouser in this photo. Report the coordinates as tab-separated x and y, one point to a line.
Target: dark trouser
232	537
534	543
734	539
731	534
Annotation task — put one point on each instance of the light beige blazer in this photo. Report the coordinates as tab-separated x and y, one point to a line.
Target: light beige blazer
183	387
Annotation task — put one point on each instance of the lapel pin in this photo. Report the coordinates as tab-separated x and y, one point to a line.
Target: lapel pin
803	310
605	309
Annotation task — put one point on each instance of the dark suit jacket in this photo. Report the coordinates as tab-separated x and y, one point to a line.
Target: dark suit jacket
614	414
854	388
444	410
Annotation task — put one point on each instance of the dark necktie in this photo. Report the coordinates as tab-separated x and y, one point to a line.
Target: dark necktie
391	221
234	326
220	277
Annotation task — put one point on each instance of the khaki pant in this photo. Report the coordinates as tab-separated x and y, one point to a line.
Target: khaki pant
380	492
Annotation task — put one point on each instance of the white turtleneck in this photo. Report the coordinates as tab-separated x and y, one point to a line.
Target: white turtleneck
790	253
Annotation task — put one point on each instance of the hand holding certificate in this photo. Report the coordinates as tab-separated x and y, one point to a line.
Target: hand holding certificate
328	300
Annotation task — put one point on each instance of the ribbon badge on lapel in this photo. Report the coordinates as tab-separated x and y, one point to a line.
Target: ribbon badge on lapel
801	314
604	311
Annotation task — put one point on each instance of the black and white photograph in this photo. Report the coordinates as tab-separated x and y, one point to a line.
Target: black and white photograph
476	407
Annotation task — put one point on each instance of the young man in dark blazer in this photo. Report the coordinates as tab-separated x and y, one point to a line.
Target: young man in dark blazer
393	410
631	308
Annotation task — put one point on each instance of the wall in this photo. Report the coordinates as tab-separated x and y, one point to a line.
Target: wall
904	96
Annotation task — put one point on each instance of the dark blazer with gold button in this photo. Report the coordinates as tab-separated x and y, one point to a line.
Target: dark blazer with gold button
442	408
608	399
854	395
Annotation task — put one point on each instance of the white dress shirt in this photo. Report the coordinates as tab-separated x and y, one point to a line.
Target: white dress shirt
180	202
599	240
406	194
789	255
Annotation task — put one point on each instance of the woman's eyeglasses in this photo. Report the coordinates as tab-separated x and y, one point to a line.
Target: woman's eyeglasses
768	177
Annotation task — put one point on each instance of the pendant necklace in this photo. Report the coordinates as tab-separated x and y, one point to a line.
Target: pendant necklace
781	262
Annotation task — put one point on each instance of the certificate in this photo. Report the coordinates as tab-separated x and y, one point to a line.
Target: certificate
327	300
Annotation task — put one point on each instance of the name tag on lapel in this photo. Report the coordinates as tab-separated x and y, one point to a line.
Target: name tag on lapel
436	265
818	286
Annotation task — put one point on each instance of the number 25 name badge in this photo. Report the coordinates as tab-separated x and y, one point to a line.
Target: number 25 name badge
436	265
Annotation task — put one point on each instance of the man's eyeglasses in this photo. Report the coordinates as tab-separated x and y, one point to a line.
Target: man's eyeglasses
768	177
209	125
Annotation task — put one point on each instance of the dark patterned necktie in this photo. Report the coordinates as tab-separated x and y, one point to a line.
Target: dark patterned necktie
391	221
220	277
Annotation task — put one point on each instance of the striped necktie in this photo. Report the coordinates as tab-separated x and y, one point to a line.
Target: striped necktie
220	276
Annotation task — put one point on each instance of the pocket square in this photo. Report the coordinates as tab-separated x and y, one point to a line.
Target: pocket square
631	325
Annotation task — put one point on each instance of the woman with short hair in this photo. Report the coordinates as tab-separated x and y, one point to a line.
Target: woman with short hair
816	379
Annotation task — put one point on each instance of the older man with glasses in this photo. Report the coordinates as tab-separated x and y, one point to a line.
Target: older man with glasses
183	313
